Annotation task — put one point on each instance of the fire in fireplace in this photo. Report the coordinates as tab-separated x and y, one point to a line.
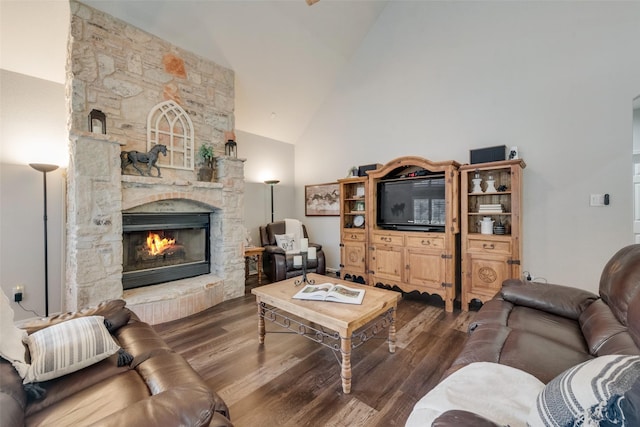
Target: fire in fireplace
161	247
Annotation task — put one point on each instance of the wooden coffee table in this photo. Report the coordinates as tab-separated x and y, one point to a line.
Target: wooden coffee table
351	325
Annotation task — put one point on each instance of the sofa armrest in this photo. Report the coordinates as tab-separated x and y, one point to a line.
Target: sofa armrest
493	312
113	310
318	246
560	300
460	418
273	249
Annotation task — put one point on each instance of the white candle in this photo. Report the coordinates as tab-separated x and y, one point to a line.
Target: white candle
312	252
297	260
304	246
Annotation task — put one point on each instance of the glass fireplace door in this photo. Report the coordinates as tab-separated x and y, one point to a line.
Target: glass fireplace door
160	248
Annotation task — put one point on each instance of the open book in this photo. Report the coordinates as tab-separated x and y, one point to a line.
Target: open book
331	292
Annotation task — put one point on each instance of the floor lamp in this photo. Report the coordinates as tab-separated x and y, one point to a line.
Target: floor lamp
271	183
44	168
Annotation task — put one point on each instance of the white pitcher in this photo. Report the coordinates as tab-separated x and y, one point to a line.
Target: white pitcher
486	225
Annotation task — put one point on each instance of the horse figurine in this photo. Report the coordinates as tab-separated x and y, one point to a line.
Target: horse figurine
151	158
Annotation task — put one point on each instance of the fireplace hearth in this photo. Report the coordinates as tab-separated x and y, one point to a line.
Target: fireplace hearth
162	247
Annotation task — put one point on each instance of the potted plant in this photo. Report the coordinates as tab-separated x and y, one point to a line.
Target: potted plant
205	152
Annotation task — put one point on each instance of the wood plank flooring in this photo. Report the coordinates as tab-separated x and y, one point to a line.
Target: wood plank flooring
291	381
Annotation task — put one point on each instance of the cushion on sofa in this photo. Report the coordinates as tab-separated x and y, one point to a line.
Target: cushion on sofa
548	325
68	347
285	241
540	356
581	393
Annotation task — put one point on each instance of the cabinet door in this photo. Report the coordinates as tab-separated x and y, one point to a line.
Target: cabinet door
386	262
425	268
353	256
486	273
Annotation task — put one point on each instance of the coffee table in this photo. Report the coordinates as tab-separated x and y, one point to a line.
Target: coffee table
351	325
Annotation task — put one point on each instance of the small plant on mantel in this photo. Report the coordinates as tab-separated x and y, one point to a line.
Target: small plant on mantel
205	152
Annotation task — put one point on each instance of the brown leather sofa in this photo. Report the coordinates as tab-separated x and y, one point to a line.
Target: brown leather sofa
159	388
544	329
277	264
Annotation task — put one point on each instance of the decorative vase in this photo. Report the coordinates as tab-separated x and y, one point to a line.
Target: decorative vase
476	185
486	225
205	174
491	185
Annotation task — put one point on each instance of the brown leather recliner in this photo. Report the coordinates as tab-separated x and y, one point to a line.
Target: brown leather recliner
544	329
277	264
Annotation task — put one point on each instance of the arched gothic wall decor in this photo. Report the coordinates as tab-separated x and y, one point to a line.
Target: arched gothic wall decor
169	124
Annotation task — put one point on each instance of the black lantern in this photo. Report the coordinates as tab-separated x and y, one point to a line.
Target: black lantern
97	122
230	147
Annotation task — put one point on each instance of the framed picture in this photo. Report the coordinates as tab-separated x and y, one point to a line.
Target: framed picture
322	199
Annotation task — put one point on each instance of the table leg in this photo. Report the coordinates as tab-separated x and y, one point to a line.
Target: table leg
392	332
345	349
259	268
260	323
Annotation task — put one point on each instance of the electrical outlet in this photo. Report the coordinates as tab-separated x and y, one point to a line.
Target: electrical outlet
18	293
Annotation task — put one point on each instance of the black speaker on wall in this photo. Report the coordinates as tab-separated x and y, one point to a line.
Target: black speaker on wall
488	154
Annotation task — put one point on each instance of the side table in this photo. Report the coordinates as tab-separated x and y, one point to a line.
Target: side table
253	251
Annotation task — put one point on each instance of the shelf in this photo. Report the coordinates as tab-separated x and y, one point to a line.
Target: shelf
488	236
355	213
488	213
497	193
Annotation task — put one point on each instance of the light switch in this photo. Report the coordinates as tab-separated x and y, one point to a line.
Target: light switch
597	200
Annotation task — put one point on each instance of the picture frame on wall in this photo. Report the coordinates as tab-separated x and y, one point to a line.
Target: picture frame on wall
322	199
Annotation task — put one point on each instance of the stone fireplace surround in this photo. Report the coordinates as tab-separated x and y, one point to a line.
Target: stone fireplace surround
97	194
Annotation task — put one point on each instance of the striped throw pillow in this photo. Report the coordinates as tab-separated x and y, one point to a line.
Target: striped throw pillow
68	347
581	395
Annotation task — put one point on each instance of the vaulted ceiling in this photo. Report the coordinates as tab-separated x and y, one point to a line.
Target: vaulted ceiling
285	53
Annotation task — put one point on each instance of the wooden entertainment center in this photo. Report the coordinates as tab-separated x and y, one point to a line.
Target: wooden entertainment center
431	251
411	258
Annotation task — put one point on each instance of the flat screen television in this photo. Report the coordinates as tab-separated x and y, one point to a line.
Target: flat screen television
412	204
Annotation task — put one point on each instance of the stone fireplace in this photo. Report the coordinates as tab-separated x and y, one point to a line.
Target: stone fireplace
128	75
98	196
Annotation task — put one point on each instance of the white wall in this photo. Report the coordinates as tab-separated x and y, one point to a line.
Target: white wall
32	129
266	159
556	79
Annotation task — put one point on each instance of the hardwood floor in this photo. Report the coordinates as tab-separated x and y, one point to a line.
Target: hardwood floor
292	381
